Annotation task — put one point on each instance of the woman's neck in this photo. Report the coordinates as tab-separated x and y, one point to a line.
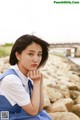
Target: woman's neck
22	69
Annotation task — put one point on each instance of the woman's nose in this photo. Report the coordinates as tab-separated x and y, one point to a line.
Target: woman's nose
36	58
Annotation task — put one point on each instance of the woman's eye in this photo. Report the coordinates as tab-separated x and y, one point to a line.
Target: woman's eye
39	54
31	54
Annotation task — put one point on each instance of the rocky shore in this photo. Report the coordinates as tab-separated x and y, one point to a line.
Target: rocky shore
61	87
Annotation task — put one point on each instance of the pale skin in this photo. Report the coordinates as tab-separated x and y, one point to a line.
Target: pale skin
28	62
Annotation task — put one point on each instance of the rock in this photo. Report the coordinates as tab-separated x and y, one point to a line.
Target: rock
77	100
53	95
46	99
76	109
67	102
74	94
74	78
64	116
59	107
49	109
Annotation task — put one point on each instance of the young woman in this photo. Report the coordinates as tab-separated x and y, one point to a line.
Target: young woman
21	87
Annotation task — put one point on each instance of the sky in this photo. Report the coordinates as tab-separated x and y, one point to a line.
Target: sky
55	23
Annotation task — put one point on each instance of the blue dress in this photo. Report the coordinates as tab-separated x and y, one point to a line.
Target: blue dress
16	112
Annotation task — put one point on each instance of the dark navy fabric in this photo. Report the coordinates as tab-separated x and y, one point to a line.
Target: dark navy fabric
30	86
16	112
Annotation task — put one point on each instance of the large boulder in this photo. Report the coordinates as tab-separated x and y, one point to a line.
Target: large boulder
64	116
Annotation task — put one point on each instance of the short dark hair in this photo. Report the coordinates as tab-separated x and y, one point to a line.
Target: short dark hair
22	42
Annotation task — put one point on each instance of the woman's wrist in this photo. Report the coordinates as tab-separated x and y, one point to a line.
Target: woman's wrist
36	82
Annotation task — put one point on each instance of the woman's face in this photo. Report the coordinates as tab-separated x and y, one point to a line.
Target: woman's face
30	57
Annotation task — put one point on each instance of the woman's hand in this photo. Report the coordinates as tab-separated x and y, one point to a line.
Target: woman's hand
35	75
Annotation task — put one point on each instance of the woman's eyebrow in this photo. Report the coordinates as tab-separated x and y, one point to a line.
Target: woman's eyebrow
34	51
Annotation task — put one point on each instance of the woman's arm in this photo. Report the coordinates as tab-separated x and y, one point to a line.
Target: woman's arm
33	107
41	96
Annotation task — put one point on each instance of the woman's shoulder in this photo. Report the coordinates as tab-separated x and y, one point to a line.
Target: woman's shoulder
11	79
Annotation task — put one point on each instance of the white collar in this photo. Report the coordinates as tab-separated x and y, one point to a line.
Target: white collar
24	79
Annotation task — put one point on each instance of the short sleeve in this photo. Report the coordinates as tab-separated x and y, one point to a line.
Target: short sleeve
13	89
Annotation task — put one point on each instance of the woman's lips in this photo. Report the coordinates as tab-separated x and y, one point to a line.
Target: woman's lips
34	65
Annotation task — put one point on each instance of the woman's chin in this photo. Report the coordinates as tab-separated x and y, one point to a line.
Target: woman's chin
33	68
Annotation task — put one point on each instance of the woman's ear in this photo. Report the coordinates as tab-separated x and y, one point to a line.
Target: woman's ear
17	55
